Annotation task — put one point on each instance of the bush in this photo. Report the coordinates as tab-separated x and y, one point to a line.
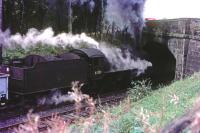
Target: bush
139	90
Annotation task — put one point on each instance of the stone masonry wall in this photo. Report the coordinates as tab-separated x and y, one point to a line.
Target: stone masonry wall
193	57
182	37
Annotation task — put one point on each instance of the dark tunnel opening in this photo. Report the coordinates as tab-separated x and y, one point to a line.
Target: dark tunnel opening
164	62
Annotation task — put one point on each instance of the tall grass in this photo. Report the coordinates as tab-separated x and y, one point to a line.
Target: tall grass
139	89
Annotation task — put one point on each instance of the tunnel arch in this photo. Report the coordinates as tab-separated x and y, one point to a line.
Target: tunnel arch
164	62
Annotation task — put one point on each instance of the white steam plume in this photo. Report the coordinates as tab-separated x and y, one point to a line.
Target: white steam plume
73	96
55	99
122	60
34	37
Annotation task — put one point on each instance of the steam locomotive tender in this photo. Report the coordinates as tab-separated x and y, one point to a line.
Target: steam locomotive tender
35	74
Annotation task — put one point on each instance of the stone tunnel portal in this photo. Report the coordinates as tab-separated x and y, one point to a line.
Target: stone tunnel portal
164	62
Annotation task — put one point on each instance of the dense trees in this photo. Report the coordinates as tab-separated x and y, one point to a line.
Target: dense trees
62	15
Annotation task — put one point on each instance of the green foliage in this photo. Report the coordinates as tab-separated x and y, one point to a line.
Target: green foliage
173	100
13	53
46	50
39	49
139	90
126	124
153	112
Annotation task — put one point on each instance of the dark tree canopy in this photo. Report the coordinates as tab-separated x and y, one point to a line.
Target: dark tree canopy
20	15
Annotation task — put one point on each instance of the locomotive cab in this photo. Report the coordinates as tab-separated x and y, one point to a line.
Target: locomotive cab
97	70
97	61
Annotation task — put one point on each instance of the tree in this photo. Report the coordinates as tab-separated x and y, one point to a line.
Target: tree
69	15
102	15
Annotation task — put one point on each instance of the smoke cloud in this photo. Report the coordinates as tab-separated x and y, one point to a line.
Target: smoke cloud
57	97
47	36
127	15
121	60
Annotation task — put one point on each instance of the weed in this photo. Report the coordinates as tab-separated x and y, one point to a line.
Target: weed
139	90
31	126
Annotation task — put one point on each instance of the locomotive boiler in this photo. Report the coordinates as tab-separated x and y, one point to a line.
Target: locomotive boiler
35	73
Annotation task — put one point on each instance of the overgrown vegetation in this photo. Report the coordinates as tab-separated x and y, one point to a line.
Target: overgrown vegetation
156	110
139	90
19	52
134	115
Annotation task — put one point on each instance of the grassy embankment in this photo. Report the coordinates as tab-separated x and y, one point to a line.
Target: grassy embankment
147	115
154	111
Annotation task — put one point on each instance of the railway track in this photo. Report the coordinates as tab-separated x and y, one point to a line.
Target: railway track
68	112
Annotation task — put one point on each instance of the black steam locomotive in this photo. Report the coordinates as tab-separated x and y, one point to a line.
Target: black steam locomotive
35	74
